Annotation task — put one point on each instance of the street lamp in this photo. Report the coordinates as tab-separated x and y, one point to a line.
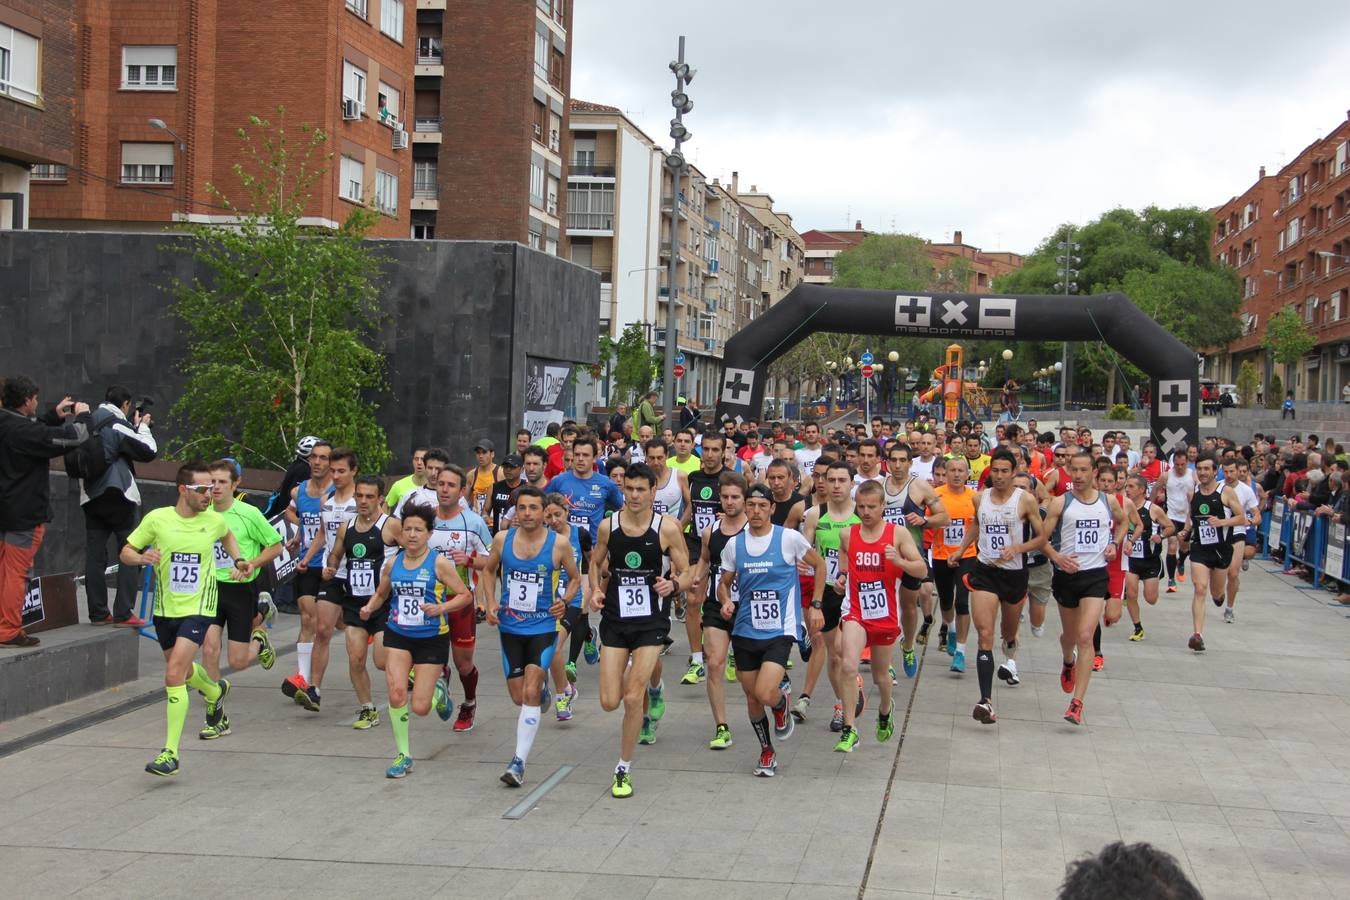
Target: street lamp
180	148
893	356
675	162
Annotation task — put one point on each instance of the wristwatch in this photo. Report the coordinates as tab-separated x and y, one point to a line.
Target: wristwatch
816	604
240	563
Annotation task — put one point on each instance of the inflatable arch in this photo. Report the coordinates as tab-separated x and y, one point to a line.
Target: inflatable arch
1111	318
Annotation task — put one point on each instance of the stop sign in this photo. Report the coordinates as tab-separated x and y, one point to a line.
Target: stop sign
867	371
678	370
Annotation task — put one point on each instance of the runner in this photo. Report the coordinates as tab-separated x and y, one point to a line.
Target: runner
1036	562
179	541
809	452
1145	550
911	502
503	491
789	507
869	462
529	557
485	475
574	629
685	460
237	614
716	629
821	528
364	544
633	593
1179	483
705	508
1085	526
1237	475
338	508
997	579
762	560
1211	550
423	589
306	511
410	482
1117	568
874	556
433	462
953	556
922	467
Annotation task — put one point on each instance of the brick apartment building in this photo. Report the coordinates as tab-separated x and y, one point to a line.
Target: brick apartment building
36	98
1289	238
823	245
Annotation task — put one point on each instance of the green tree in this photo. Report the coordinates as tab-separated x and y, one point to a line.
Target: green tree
282	330
1275	393
1247	381
1287	337
634	365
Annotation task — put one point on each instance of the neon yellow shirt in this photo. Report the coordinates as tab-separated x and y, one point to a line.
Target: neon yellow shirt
401	487
253	533
185	584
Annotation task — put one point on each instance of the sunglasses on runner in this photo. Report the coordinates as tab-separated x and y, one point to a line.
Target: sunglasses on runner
198	488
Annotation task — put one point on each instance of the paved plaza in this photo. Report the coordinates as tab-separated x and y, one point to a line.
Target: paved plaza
1235	761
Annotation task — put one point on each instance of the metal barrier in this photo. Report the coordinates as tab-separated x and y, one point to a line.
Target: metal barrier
147	604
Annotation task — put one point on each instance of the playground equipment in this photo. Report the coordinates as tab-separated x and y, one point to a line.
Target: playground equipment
959	397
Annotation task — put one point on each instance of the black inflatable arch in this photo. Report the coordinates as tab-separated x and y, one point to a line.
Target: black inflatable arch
1111	318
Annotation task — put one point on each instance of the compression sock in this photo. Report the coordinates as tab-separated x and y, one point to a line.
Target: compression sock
1181	561
198	680
578	639
984	665
527	726
470	682
303	652
1097	640
177	715
1171	567
398	720
761	727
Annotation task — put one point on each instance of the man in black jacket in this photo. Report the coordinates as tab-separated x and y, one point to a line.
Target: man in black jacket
26	446
111	505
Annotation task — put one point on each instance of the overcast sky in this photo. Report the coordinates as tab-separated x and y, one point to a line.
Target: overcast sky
999	119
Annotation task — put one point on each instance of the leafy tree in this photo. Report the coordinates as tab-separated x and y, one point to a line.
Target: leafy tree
1287	337
282	331
635	365
1247	382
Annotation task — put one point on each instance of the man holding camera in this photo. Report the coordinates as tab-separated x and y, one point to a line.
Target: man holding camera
111	503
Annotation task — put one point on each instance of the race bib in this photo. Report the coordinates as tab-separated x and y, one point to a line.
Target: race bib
1088	536
1137	549
895	515
408	605
704	518
635	597
659	506
223	560
1208	534
522	592
955	533
996	536
872	600
765	611
361	577
832	564
580	520
185	573
309	526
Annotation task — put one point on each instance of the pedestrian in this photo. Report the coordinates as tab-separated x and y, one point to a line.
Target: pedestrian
1287	408
26	445
687	413
646	413
111	504
617	420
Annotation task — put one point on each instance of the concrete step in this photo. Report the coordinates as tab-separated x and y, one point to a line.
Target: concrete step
71	662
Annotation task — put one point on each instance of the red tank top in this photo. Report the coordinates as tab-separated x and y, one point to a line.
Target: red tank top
871	580
1063	484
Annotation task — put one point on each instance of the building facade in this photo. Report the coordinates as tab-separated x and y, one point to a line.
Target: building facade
983	266
37	85
822	245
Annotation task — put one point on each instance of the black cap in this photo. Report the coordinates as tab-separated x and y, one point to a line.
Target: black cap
484	444
513	461
759	490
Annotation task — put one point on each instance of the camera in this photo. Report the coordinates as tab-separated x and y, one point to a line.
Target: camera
143	405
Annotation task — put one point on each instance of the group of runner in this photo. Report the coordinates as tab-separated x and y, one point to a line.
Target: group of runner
759	543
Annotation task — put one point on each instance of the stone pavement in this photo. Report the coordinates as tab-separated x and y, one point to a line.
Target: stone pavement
1231	760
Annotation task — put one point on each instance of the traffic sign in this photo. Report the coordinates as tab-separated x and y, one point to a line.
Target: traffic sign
679	359
867	359
678	370
866	371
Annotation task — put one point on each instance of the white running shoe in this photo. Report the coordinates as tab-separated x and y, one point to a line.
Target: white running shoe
1228	614
1008	672
1037	630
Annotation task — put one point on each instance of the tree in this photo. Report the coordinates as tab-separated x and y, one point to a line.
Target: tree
635	366
282	329
1247	382
1287	337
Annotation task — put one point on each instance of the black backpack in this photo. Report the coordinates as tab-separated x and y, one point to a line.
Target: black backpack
89	460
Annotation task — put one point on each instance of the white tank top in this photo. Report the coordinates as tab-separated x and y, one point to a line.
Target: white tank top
895	503
1084	531
669	500
1178	508
1246	496
920	469
1000	527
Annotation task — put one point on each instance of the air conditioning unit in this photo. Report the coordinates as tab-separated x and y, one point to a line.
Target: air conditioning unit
400	139
538	132
351	110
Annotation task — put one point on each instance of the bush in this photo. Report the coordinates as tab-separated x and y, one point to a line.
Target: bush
1247	381
1121	412
1274	392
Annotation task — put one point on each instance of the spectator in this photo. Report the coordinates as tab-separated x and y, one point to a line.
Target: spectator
26	446
687	414
1287	408
646	413
1127	872
111	505
616	421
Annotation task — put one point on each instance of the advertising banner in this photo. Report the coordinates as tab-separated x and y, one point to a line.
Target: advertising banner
33	611
548	393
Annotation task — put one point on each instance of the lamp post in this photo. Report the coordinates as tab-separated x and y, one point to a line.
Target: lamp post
1067	274
180	147
676	164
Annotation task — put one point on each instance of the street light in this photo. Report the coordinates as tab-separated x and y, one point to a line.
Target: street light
893	356
179	147
675	162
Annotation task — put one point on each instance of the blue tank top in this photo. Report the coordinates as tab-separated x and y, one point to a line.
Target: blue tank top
527	588
767	586
562	573
408	590
310	512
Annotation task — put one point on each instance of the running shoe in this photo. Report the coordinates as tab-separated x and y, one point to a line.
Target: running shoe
848	739
571	669
768	763
731	668
293	685
885	727
545	696
666	643
1008	672
911	662
722	740
786	684
1138	634
514	776
308	698
1037	630
464	721
1245	563
215	709
164	765
984	713
403	764
951	642
647	736
862	699
1218	601
367	718
267	654
1181	577
564	704
210	731
623	785
837	720
1068	677
267	608
800	707
1228	615
695	674
789	664
1196	643
440	700
1171	587
656	703
922	637
890	670
1074	714
678	613
959	660
783	723
1098	663
590	651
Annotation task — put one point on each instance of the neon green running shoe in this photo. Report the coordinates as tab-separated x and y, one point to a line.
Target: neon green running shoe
267	655
623	785
656	705
847	741
695	673
731	668
164	765
647	735
722	740
571	669
885	728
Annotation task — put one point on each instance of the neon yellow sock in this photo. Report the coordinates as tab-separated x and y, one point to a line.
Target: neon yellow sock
177	715
398	720
200	681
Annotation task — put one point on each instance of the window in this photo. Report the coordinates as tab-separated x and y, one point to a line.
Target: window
424	231
150	68
147	163
358	7
351	184
386	192
388	100
541	55
1294	186
537	183
354	85
551	206
391	18
19	65
590	206
1336	305
47	172
424	178
536	236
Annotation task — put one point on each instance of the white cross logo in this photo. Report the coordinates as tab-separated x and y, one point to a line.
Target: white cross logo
1173	438
953	311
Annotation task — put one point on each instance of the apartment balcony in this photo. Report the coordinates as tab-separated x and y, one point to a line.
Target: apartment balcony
586	167
429	61
591	223
426	130
425	193
431	4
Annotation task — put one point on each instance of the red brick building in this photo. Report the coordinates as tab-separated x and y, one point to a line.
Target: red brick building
36	98
823	245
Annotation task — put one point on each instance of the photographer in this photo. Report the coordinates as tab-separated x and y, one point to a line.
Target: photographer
111	504
26	445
